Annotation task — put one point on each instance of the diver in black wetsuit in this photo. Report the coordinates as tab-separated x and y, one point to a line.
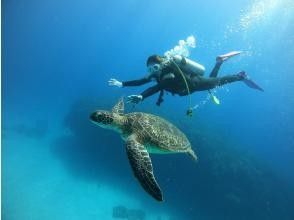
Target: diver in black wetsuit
170	77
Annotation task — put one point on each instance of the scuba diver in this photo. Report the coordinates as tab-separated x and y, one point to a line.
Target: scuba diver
182	76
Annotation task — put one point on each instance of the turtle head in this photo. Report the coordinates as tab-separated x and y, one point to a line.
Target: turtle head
113	119
106	119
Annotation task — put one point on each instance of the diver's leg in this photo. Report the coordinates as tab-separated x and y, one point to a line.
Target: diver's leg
209	83
215	69
228	79
220	59
203	83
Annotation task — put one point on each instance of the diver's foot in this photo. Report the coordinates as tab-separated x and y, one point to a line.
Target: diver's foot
250	83
224	57
242	75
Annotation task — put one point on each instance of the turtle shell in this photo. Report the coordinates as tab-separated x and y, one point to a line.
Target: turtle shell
158	133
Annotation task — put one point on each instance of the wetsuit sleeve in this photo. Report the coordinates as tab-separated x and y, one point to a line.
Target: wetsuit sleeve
138	82
151	91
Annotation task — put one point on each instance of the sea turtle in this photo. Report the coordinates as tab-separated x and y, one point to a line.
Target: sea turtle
144	133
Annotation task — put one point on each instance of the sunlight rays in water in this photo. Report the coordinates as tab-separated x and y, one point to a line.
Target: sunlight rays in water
258	11
257	18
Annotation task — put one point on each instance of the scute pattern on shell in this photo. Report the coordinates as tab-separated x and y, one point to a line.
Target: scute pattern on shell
157	131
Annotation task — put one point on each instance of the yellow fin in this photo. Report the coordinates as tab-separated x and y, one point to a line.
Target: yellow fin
215	100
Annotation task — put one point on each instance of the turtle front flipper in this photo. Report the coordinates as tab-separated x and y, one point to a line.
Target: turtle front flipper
119	107
142	167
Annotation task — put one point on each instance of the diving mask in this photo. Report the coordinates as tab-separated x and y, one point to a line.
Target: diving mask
154	68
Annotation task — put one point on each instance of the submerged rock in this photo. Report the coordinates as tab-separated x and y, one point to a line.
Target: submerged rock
136	214
119	212
130	214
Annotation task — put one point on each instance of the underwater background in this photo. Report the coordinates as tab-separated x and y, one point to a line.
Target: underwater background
57	57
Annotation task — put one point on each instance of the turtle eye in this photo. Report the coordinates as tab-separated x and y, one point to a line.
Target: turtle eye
107	119
100	117
97	116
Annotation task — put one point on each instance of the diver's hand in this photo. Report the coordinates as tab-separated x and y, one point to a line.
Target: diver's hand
134	99
115	82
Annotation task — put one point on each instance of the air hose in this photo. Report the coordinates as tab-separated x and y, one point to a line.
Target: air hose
190	109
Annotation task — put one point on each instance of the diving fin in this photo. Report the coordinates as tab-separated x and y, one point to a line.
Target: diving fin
214	98
250	83
226	56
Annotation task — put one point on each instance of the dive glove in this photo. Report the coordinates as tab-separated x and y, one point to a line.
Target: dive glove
115	82
134	99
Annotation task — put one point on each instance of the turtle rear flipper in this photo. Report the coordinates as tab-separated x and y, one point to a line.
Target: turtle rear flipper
192	154
142	167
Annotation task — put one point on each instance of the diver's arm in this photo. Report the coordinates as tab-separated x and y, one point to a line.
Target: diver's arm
151	91
137	82
115	82
148	92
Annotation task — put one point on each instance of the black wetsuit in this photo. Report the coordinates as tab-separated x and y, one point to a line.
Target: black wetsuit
170	79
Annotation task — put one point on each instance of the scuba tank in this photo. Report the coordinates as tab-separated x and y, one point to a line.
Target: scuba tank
189	66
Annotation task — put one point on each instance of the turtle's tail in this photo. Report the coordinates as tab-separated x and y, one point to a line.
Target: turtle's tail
192	154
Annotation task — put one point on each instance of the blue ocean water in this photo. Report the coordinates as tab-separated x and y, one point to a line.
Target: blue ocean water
57	57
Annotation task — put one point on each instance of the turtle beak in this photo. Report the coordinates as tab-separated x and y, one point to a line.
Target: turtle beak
93	116
97	117
101	118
